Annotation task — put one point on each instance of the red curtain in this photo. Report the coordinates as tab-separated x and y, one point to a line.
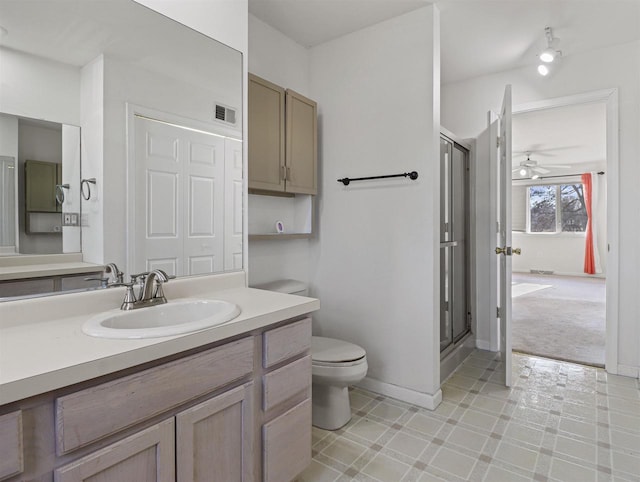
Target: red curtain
589	257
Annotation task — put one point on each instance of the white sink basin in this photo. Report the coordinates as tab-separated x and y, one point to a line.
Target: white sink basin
173	318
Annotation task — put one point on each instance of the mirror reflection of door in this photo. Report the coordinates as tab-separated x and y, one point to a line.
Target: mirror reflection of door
181	181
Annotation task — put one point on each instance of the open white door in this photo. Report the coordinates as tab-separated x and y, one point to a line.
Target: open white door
504	249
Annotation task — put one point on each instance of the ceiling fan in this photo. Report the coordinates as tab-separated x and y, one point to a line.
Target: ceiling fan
530	168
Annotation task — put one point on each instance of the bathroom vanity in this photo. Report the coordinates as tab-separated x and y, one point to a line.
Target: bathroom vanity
227	403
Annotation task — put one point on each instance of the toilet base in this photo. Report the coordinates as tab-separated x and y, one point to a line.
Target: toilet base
331	409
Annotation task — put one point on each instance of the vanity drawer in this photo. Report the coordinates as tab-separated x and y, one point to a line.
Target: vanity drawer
91	414
287	444
285	382
11	458
286	342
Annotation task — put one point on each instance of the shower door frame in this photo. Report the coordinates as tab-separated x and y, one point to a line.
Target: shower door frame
469	244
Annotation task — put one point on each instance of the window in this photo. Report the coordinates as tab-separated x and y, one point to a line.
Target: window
547	215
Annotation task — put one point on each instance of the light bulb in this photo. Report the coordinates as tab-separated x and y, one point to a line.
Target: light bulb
543	70
523	171
535	176
548	55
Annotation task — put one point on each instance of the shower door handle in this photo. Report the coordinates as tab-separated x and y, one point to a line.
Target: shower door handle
449	244
508	251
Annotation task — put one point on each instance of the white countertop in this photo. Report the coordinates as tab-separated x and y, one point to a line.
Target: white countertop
42	346
42	270
40	265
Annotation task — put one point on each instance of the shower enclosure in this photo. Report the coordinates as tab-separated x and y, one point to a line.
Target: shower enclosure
455	313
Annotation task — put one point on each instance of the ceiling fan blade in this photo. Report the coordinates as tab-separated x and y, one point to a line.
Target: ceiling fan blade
516	169
558	166
540	170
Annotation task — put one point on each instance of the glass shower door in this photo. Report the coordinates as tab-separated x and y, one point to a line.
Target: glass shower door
454	313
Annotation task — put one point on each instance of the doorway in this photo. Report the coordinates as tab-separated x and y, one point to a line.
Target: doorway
559	311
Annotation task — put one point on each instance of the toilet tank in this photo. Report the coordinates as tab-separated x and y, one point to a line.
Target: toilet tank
289	286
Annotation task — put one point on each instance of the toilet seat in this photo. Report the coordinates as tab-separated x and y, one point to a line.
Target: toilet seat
332	352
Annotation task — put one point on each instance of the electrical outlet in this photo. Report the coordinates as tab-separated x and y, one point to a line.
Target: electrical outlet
70	219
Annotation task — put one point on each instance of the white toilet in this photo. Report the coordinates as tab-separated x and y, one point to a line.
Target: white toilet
335	364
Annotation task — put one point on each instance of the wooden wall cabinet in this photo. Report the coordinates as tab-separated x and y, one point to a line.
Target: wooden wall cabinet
197	418
283	139
40	186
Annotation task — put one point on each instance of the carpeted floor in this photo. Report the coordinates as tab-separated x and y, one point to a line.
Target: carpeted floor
565	320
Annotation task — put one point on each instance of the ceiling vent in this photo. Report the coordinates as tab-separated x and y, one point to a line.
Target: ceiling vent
225	114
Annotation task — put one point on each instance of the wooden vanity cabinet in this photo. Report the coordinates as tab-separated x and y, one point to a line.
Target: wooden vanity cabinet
283	139
239	410
210	441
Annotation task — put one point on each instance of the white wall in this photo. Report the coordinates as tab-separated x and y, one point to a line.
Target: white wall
39	88
464	111
282	61
71	235
92	153
375	262
277	58
9	148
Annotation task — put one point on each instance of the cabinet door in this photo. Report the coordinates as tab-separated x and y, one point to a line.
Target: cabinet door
286	444
302	144
40	181
148	456
11	461
266	135
215	439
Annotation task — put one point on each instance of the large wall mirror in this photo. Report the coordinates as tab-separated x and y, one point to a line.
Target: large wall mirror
129	125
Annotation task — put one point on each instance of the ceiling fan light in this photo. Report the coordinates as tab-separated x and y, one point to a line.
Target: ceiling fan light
548	55
543	70
535	176
523	171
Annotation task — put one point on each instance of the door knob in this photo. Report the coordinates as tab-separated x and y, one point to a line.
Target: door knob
501	250
517	251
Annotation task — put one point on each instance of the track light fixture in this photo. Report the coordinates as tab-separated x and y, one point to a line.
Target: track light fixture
549	54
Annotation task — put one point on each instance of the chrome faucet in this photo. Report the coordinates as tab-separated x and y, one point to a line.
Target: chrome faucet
105	280
150	292
114	271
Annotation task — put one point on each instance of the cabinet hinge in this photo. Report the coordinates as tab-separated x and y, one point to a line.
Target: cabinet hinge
469	320
498	142
498	312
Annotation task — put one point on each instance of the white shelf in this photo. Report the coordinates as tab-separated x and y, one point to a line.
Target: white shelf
295	213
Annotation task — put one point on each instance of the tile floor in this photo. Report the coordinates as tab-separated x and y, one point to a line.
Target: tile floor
559	422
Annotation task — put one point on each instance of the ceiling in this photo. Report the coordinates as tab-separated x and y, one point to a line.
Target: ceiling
477	36
572	135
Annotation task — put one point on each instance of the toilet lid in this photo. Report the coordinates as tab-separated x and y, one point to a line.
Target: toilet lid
330	350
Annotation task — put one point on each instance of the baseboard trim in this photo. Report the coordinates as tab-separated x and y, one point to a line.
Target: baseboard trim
483	345
565	273
403	394
628	371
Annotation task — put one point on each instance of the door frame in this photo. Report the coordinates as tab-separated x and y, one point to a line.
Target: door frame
610	98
